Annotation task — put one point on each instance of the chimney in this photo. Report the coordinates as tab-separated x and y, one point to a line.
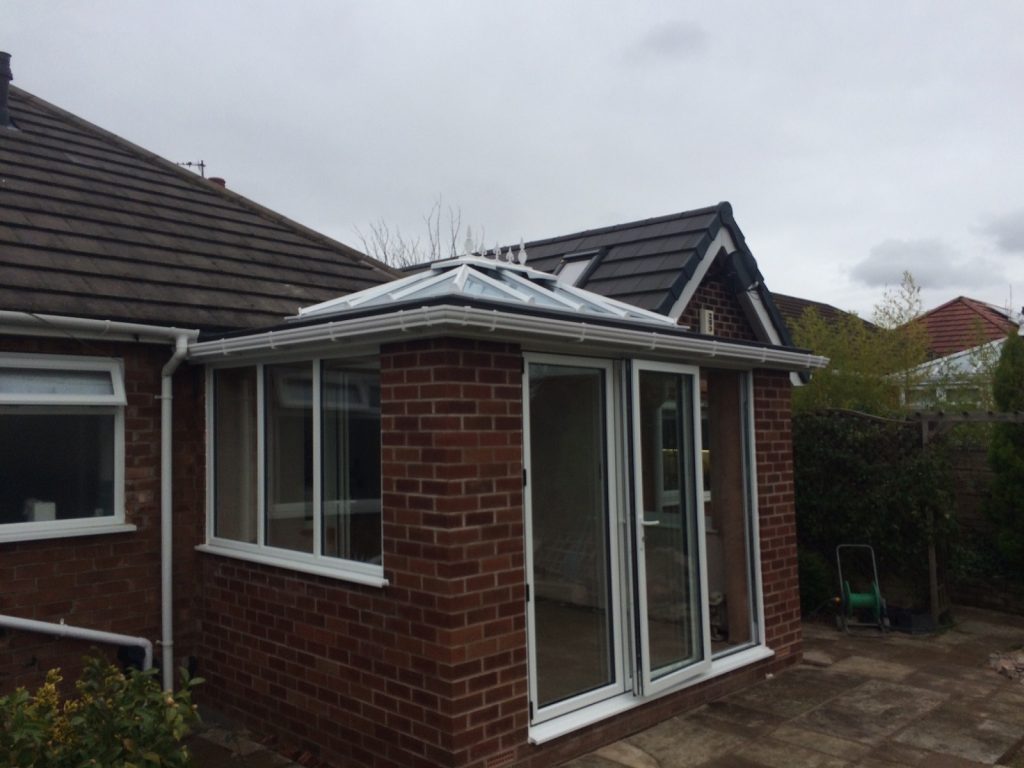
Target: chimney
5	82
218	181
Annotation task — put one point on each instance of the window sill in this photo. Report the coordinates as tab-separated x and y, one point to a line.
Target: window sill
566	724
64	532
328	571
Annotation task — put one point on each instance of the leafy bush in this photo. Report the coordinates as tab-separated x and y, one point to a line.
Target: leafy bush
115	721
862	480
817	581
1006	455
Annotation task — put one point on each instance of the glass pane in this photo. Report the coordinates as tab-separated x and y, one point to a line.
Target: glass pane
289	456
43	381
668	506
725	510
571	562
350	436
234	418
57	466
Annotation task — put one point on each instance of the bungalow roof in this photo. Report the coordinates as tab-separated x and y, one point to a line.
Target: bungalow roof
94	226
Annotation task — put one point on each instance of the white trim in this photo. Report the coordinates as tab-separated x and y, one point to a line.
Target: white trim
113	367
722	240
615	611
64	529
318	419
343	573
700	624
753	510
473	322
554	729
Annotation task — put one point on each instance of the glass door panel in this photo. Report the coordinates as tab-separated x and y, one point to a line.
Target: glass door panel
574	619
671	595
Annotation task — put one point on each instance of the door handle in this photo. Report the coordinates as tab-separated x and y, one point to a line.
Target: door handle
649	523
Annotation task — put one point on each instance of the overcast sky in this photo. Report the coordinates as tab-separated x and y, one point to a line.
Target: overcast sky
854	140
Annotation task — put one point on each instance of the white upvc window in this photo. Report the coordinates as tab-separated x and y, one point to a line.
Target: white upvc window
294	467
61	446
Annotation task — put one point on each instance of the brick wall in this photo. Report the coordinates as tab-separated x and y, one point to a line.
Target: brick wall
714	293
430	670
773	437
112	581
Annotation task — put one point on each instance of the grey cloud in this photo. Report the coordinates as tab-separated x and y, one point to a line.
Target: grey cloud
1008	231
668	40
933	263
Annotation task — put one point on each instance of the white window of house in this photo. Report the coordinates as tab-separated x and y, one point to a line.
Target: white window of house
295	466
61	446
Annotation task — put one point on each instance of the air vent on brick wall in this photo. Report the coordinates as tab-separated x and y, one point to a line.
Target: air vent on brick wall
707	322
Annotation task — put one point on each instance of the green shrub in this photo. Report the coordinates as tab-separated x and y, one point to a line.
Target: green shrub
817	581
868	481
116	720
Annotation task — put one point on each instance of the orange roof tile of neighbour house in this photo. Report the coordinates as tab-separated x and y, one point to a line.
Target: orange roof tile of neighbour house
963	323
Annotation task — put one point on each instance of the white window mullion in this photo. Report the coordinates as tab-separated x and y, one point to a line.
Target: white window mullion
261	457
318	507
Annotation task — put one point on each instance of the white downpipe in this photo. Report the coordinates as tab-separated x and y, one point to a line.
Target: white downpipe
166	512
46	325
80	633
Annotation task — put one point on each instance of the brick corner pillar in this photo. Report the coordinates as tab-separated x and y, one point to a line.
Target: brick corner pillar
452	461
773	432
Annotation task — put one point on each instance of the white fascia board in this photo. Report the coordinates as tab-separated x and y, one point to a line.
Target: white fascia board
497	324
722	240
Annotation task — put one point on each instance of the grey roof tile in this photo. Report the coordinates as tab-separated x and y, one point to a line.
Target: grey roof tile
94	226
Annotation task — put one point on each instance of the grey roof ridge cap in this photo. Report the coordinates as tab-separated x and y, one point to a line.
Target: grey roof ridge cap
205	184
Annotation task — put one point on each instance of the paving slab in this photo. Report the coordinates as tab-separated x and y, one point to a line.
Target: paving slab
872	711
866	699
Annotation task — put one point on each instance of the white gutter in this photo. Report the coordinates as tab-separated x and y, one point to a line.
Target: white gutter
494	323
26	323
80	633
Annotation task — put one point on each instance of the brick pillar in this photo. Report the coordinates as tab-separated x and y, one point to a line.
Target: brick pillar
453	544
777	511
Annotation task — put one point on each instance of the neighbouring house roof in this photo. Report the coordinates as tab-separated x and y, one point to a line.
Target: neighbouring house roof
963	323
94	226
792	308
486	298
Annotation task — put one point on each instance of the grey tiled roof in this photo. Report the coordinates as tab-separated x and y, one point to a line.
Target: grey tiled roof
94	226
645	263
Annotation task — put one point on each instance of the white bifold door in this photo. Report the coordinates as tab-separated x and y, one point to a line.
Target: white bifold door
617	602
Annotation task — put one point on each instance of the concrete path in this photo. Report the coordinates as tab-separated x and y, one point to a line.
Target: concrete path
863	699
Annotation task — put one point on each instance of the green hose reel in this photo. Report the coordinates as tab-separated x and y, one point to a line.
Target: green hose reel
863	601
853	604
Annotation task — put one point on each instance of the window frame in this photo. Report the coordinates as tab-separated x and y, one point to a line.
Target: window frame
113	404
314	562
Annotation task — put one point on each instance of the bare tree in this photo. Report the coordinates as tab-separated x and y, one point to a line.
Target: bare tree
443	228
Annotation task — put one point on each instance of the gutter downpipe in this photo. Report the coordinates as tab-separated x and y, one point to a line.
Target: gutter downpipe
166	511
132	332
80	633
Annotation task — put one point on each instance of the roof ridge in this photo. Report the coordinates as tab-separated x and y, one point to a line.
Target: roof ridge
629	224
205	184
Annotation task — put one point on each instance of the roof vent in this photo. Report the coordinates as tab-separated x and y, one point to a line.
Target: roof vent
5	83
218	181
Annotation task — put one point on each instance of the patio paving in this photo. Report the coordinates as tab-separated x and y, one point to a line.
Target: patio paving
863	699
